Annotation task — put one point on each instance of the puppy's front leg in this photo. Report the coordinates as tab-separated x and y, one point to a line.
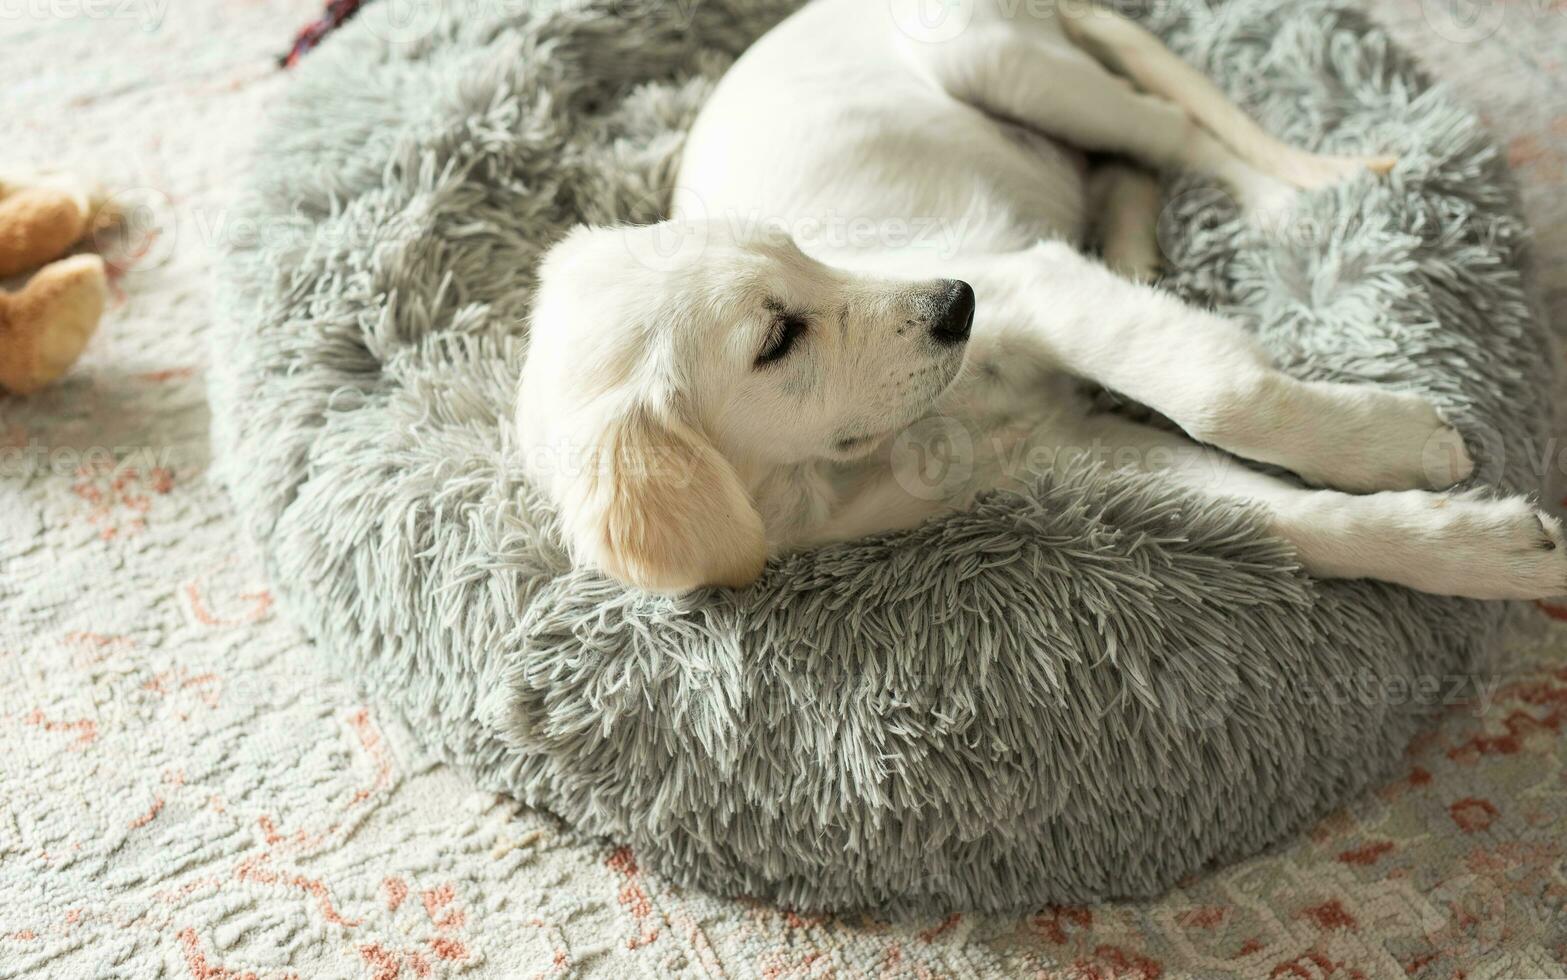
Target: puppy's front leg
1203	372
1447	544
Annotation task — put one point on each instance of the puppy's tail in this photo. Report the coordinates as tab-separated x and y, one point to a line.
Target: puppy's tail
1130	49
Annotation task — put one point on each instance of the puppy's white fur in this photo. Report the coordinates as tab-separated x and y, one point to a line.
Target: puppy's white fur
848	170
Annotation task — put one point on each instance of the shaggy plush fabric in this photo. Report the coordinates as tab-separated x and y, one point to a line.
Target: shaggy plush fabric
1089	690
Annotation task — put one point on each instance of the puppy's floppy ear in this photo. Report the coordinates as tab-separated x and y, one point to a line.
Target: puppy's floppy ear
657	506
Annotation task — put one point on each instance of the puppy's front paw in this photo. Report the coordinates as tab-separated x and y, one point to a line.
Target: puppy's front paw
1444	459
1445	544
1490	549
1540	568
1372	439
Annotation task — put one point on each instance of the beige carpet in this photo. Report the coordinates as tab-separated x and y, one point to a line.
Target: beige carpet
183	794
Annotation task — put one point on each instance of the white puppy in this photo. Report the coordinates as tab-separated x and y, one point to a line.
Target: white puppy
872	261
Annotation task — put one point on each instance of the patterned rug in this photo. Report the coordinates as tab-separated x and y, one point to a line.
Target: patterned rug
184	794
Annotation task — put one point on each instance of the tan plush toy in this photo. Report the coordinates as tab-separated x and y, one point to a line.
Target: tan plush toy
45	324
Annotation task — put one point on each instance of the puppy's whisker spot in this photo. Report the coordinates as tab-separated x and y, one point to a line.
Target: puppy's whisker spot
851	443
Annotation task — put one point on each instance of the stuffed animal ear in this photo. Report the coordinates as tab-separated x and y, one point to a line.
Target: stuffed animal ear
43	215
656	506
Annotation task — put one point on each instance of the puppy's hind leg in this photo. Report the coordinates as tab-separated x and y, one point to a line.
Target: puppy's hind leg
1131	50
1123	202
1022	77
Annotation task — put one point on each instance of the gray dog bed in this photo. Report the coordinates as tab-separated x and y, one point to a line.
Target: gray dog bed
1085	691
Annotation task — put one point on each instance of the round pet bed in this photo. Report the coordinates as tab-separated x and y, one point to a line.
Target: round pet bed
1089	690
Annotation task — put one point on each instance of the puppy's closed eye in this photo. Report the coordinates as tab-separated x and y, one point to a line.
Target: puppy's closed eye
785	330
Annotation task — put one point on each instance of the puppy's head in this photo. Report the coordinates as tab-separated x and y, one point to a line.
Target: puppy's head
670	365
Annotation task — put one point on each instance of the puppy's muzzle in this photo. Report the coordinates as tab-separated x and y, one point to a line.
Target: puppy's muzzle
954	314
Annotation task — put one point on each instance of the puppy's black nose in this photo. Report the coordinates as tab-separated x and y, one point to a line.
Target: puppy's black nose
954	314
